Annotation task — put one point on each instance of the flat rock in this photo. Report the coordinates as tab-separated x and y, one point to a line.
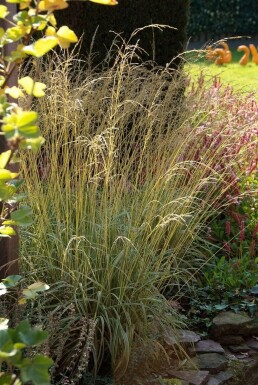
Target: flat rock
208	346
194	377
243	348
229	322
212	362
231	340
251	329
220	378
181	337
252	343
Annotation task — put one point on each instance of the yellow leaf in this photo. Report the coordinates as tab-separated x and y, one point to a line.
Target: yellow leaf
3	11
14	92
105	2
6	175
41	46
31	87
22	301
52	20
52	5
4	158
7	231
66	36
50	31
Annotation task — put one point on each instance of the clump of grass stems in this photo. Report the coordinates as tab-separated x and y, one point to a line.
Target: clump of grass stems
119	197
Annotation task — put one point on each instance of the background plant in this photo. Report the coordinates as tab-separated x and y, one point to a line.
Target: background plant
232	18
15	341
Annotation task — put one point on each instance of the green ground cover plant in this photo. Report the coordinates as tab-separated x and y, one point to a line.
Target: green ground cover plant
122	191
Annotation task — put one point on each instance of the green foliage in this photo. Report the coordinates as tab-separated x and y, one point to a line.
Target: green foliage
214	18
205	302
15	366
162	46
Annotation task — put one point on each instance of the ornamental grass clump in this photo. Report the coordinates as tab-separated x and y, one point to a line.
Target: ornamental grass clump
119	196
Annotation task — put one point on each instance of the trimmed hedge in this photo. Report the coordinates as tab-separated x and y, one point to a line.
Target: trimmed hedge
217	18
85	17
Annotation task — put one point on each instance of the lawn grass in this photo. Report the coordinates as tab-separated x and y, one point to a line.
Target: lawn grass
241	78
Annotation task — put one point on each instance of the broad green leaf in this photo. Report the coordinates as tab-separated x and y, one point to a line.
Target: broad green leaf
26	118
36	370
4	338
24	333
3	11
21	123
38	286
4	158
22	216
10	352
6	345
15	199
31	87
6	231
33	143
39	22
11	281
16	55
23	17
14	34
7	379
6	191
6	175
33	336
41	46
4	323
29	294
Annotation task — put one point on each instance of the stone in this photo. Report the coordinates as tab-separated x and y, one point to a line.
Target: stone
212	362
243	348
220	378
251	375
208	346
199	377
229	322
253	353
251	329
252	343
181	337
231	340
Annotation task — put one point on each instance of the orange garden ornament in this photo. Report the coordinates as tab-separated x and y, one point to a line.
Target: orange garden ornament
220	56
254	53
227	54
245	58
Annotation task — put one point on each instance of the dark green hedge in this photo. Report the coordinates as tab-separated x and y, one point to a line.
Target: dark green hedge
219	18
85	17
